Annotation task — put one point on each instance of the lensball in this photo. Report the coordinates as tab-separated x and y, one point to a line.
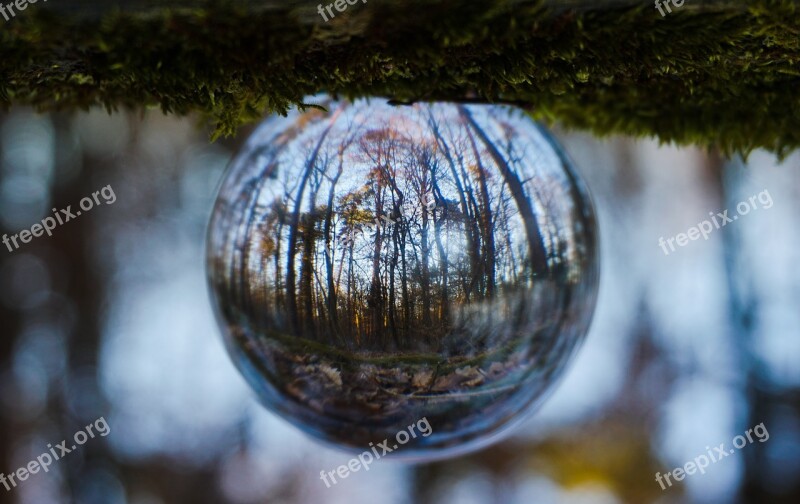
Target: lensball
373	266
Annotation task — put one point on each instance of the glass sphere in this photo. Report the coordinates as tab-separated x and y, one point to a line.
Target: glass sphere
375	267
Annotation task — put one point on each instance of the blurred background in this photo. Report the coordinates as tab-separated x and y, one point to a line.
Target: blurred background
110	317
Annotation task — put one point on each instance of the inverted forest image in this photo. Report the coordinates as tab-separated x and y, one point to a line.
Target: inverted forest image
380	264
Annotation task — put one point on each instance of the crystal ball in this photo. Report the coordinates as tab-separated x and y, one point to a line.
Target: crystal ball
376	268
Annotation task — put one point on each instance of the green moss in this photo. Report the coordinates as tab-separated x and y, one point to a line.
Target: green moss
718	73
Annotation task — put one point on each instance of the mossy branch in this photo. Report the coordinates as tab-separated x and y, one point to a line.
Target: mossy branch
720	73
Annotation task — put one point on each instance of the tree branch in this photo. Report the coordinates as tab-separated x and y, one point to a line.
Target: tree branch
718	72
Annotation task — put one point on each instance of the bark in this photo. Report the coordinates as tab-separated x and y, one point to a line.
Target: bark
486	222
538	259
470	226
331	301
291	294
231	61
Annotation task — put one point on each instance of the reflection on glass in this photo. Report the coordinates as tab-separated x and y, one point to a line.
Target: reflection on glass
376	265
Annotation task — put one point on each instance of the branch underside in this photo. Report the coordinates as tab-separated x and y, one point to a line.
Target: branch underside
712	73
